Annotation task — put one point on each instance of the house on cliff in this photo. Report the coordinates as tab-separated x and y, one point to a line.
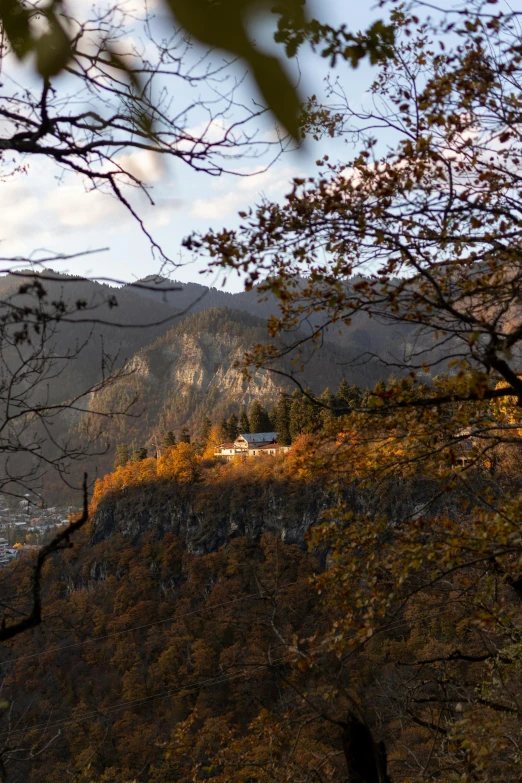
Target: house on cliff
256	444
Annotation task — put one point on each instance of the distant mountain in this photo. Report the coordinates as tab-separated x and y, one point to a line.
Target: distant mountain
190	373
110	324
364	334
181	348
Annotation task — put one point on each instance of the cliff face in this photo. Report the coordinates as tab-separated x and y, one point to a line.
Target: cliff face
206	519
211	512
201	365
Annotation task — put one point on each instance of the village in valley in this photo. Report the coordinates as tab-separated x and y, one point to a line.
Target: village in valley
24	527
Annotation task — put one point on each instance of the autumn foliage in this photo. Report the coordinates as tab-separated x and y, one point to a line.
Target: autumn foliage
178	463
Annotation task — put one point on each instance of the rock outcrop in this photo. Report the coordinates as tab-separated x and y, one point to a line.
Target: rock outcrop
205	518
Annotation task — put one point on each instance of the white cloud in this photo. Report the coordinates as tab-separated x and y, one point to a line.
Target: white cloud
19	207
73	207
145	165
273	183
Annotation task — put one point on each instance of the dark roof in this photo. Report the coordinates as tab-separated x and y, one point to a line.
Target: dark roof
258	437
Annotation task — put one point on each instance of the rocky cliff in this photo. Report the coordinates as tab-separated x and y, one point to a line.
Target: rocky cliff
244	500
207	516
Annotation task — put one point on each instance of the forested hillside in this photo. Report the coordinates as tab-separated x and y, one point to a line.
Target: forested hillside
344	604
185	636
192	374
115	351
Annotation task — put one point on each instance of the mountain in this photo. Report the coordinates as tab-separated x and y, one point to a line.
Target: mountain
103	326
365	334
178	374
191	373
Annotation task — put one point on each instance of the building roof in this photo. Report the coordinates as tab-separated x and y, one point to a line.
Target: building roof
270	446
259	437
226	446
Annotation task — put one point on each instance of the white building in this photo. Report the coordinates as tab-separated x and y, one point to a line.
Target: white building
256	444
3	552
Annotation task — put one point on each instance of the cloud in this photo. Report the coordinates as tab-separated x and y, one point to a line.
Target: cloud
19	208
71	206
145	165
273	183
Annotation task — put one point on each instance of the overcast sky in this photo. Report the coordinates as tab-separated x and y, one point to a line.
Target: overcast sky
40	211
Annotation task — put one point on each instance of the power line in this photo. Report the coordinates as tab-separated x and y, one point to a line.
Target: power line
144	626
101	711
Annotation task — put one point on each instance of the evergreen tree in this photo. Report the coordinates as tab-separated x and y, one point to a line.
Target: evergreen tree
224	432
139	454
312	411
347	396
184	435
206	428
122	455
259	420
233	427
298	415
304	414
169	440
282	419
244	424
326	415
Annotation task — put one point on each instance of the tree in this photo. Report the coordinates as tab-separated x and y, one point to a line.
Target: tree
233	427
424	234
206	429
347	397
184	435
244	424
129	109
128	113
180	463
258	418
169	440
56	48
213	441
139	454
304	415
122	455
224	432
326	399
282	419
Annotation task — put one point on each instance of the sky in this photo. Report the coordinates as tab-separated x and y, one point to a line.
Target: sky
42	210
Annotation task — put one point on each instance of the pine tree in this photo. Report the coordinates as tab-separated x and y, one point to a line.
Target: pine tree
184	435
282	419
297	415
139	454
259	421
304	414
326	415
233	427
224	433
122	455
169	440
244	424
206	428
347	397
